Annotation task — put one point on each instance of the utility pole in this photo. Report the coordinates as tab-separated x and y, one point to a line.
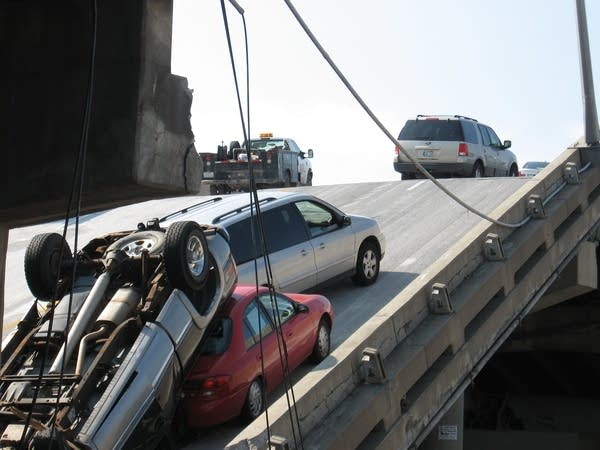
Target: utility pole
592	132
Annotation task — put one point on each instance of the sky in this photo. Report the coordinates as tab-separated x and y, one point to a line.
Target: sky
511	64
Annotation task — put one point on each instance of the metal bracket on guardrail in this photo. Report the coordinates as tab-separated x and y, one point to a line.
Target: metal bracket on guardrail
492	248
571	173
372	366
279	443
439	302
535	207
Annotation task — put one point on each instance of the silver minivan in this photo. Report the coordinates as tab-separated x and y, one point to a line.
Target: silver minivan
453	146
309	242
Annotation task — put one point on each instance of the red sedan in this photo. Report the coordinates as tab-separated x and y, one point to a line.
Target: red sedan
228	379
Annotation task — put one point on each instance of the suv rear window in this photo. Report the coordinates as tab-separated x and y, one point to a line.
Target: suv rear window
431	130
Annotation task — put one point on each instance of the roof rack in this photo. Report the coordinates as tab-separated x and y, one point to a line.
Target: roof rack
191	208
465	117
241	209
444	116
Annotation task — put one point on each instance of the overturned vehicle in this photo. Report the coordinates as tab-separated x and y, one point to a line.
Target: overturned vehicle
99	359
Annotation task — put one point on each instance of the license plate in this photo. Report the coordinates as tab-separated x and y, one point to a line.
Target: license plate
427	153
209	174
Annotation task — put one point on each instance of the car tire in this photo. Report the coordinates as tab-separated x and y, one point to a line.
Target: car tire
477	170
213	190
367	264
42	263
255	401
133	244
322	345
309	179
514	171
186	256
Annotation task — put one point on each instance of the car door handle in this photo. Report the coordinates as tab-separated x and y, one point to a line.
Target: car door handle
322	245
303	252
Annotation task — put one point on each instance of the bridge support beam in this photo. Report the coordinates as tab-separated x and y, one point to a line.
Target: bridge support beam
580	276
448	433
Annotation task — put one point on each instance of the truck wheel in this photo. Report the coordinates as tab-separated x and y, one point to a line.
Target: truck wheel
514	171
309	179
42	263
186	256
287	181
213	190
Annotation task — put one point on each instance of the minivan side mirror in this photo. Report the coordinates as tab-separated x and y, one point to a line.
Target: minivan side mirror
346	220
310	153
507	144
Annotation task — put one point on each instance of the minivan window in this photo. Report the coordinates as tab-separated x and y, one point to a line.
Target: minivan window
283	227
240	241
431	130
318	218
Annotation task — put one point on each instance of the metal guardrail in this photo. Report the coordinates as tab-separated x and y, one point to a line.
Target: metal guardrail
436	334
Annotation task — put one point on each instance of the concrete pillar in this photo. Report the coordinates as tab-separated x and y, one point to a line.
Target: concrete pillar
448	432
3	250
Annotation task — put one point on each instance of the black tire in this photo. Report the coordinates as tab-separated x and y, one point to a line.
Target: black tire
322	345
514	171
287	179
367	264
186	256
255	401
42	263
309	179
134	243
213	190
477	170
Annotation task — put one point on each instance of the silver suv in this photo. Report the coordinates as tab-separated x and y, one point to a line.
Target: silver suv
453	146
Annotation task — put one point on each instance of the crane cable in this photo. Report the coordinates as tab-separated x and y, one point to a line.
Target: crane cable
255	204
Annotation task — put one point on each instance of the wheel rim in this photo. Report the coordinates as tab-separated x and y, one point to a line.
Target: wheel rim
195	257
135	248
255	399
370	264
323	341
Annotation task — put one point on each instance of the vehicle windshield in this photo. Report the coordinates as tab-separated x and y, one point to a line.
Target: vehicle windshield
535	165
431	130
266	144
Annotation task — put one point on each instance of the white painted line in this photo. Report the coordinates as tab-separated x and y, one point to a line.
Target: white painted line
414	186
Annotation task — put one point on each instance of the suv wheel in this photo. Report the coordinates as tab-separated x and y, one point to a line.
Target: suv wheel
477	170
514	171
43	264
186	256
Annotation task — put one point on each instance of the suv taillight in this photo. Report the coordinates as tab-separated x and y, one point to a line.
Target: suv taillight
397	150
463	149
